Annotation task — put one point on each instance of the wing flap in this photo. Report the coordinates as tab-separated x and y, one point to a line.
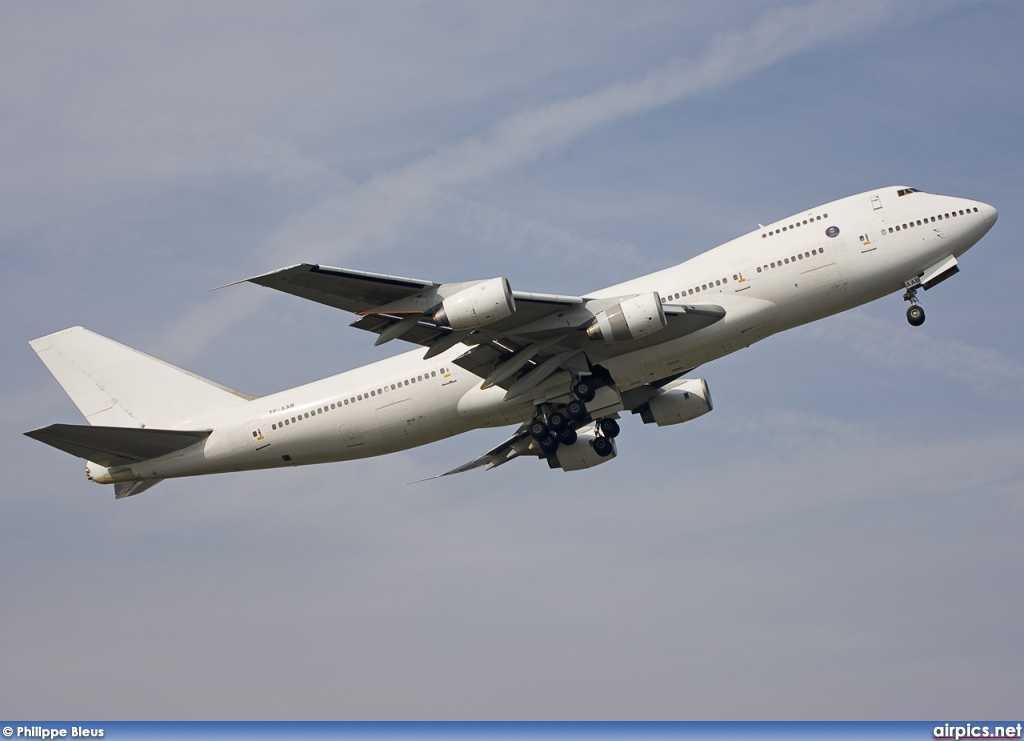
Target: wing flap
131	488
116	446
422	333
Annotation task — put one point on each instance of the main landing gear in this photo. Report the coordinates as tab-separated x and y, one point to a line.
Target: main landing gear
556	426
915	314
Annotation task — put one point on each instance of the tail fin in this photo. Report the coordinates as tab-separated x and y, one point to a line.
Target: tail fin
116	386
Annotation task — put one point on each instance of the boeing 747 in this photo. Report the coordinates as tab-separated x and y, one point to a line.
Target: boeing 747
561	368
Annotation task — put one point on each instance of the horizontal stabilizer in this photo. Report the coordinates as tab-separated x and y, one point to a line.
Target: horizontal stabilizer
116	446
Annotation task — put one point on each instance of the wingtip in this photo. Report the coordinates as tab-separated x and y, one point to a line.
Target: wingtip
255	278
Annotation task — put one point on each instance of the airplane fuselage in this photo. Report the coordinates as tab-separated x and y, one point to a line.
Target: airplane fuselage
811	265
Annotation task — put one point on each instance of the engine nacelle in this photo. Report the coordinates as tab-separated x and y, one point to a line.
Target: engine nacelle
630	319
580	454
679	401
482	303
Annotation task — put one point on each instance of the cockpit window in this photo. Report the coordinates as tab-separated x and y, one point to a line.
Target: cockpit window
906	191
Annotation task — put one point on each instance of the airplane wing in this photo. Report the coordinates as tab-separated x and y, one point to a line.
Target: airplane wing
519	444
367	293
517	339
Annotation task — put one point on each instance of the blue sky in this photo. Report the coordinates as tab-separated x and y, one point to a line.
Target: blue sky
840	538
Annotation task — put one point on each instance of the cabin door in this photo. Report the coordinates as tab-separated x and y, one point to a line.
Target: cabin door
259	440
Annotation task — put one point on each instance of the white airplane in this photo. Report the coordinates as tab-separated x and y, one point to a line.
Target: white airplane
561	367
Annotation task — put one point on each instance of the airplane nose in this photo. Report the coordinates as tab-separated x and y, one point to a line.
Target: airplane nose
990	214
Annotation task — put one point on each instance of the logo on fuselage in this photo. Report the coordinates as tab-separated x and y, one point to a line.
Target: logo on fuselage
832	231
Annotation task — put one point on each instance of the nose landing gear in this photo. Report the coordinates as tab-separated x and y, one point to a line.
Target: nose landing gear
915	314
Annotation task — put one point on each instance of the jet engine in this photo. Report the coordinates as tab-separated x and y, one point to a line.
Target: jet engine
679	401
581	454
482	303
629	319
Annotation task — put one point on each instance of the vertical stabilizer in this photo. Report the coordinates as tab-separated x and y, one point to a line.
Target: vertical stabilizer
116	386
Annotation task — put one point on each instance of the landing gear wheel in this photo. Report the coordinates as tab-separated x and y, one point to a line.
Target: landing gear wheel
609	428
602	446
583	390
549	445
557	421
576	410
538	430
567	436
915	315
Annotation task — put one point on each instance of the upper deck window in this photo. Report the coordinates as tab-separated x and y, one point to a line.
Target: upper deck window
906	191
